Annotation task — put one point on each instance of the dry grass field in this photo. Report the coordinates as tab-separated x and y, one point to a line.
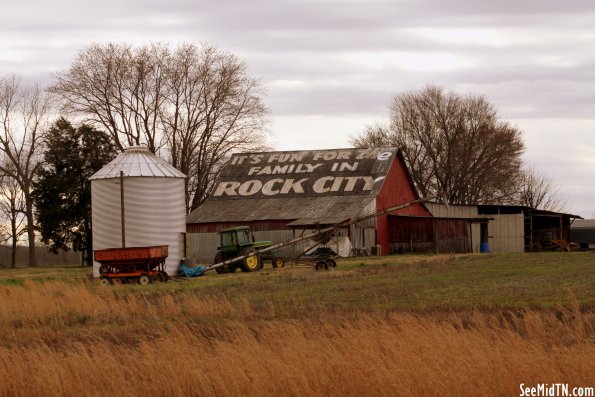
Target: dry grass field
435	325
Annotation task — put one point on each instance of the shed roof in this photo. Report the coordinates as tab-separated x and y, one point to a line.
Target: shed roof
137	161
485	209
306	187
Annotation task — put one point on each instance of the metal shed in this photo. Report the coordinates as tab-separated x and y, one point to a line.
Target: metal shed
525	229
582	232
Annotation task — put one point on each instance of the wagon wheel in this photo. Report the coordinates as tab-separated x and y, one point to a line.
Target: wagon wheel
105	281
331	263
278	263
103	269
163	276
144	279
252	262
321	265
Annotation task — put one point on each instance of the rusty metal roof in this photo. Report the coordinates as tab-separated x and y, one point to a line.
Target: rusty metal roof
309	210
306	187
137	161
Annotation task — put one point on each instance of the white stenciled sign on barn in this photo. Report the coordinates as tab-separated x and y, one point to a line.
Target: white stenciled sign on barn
306	173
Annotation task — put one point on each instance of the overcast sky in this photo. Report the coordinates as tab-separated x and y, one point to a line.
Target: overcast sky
331	67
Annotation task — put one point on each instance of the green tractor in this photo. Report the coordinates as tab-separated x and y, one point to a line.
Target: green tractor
239	241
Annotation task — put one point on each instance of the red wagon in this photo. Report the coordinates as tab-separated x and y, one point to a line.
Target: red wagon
140	264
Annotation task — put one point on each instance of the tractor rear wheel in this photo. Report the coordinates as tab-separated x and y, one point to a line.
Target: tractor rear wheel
222	269
251	262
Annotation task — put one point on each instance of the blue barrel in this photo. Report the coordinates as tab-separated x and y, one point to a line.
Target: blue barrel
484	247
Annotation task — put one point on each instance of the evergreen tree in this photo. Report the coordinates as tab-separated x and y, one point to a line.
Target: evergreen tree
62	192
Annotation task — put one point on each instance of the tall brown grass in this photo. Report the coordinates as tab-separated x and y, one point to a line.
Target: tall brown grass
59	339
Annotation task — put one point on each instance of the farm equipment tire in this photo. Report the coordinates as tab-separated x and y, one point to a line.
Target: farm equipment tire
320	265
331	263
278	263
250	263
103	269
144	279
104	281
163	276
222	269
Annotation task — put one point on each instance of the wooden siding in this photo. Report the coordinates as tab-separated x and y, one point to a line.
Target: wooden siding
459	211
411	234
396	189
215	227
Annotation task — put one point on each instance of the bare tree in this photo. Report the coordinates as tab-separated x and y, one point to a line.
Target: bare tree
196	103
373	135
538	191
12	214
23	117
456	145
119	88
213	108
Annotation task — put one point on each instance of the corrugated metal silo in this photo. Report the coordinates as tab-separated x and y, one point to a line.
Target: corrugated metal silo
154	205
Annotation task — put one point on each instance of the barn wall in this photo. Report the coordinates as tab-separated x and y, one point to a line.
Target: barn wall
459	211
363	234
396	189
506	233
217	227
452	211
202	247
411	234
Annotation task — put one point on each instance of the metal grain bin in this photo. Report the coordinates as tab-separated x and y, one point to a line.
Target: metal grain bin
154	205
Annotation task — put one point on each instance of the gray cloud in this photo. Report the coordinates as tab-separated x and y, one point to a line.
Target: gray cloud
334	60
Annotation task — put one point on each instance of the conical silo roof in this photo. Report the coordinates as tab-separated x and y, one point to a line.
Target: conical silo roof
138	161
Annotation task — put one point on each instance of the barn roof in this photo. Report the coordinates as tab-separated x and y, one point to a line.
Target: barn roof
306	187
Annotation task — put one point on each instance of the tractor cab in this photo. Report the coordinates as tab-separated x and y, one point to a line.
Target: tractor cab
232	240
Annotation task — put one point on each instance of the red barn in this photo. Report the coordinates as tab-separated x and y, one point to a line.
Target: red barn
279	194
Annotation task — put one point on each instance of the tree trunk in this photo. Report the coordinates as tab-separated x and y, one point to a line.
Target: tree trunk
89	242
13	252
30	229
